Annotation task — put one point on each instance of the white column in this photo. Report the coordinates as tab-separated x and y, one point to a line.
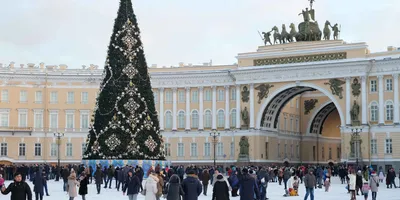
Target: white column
214	107
227	111
381	100
174	108
348	101
396	98
187	108
161	114
201	109
251	126
364	100
238	107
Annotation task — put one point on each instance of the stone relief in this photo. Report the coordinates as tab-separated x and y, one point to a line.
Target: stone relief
300	59
336	87
356	86
245	94
263	91
309	105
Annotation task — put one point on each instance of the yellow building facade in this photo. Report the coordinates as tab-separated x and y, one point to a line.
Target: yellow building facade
292	101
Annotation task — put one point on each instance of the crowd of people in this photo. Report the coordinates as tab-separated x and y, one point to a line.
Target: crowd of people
176	183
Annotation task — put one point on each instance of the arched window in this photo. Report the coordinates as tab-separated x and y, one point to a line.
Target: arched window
168	120
181	119
195	119
208	119
374	111
221	119
389	111
233	118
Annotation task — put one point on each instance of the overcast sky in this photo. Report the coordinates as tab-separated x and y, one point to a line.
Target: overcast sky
77	32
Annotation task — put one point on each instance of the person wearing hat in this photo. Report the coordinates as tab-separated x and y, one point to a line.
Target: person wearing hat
220	189
19	189
248	186
191	186
310	183
374	184
83	184
131	185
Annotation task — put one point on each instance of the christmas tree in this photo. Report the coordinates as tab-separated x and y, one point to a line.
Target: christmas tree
124	124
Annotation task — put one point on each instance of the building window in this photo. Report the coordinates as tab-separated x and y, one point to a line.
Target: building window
297	126
291	103
69	149
38	120
22	119
374	147
38	149
374	111
4	95
180	149
232	149
83	148
70	120
221	95
167	148
208	119
181	96
297	103
155	94
233	118
195	119
285	124
323	153
314	153
4	117
291	124
23	96
207	149
207	96
338	152
372	86
221	119
195	96
54	150
266	150
53	120
388	145
168	96
3	149
291	150
279	150
181	119
38	97
193	149
298	151
330	153
389	111
84	120
220	149
84	97
285	151
389	84
53	97
22	149
70	97
168	119
233	94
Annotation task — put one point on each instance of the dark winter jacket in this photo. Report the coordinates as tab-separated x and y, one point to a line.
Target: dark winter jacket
38	182
98	176
121	175
19	191
132	184
248	187
205	178
65	174
83	186
174	188
110	172
286	175
192	187
221	189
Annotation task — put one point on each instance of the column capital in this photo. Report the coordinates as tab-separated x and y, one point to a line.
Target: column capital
174	89
348	78
237	86
363	78
214	87
227	86
395	75
187	88
201	88
380	77
161	89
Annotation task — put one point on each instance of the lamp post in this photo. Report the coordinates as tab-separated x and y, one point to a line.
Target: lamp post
58	135
215	134
356	142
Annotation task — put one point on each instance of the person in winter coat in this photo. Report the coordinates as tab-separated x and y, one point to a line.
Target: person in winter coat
151	187
359	182
234	182
19	189
191	186
98	178
221	189
45	178
310	183
121	178
160	185
131	186
83	185
38	183
205	179
174	188
374	184
72	184
248	186
286	177
352	185
65	174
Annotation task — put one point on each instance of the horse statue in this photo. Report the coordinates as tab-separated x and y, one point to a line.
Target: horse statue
285	36
327	30
318	32
277	36
293	33
308	32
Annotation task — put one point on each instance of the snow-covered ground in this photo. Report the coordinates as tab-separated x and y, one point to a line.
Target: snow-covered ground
275	191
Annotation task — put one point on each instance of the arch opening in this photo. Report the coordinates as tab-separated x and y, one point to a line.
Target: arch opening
320	118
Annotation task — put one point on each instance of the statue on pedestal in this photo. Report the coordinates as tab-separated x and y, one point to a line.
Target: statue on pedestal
244	146
245	116
355	111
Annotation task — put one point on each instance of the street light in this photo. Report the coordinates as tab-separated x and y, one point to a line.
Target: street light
215	134
58	135
356	142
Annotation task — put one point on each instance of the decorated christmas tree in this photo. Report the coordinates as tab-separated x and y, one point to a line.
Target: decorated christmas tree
124	124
